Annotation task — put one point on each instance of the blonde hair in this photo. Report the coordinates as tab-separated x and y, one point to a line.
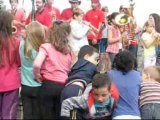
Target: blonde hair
154	72
35	36
148	24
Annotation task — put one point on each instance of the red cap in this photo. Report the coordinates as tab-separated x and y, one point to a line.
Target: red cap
95	1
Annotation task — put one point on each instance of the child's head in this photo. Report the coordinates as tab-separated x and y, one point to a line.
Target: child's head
89	53
35	36
78	14
58	36
151	73
124	61
101	86
149	27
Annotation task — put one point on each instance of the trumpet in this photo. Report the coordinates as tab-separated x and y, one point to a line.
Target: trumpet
14	30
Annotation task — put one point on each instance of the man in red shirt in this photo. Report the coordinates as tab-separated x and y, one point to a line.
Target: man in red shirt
18	18
40	14
96	17
67	13
52	11
44	13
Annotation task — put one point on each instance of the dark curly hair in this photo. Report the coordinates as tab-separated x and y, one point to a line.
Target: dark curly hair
124	61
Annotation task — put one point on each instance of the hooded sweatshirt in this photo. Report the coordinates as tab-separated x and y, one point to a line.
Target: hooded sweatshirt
82	71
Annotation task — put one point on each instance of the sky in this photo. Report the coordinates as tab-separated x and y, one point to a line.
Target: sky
142	7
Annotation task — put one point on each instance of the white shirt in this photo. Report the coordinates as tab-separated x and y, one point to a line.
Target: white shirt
78	36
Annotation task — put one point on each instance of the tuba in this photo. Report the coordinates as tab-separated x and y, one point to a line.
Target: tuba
121	20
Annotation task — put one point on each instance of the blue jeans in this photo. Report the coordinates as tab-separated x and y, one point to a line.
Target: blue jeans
150	111
103	45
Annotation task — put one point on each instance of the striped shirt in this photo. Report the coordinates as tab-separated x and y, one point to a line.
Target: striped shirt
150	92
114	47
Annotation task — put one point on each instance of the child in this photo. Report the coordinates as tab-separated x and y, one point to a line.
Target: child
52	66
150	93
96	102
81	73
114	37
127	80
28	50
79	30
9	68
149	38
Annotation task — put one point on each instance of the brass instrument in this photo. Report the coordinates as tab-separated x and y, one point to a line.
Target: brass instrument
14	30
122	19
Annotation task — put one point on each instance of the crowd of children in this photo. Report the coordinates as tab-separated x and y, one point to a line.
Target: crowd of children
83	66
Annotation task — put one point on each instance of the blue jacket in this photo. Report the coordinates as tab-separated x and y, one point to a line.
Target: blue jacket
83	71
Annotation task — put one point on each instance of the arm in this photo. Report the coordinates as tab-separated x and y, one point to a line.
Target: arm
38	62
148	43
71	103
79	33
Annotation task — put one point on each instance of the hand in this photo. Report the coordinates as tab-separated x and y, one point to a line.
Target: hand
94	41
39	78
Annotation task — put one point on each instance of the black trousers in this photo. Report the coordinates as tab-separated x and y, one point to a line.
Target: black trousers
30	102
50	99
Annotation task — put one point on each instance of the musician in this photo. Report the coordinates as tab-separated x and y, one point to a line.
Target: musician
40	14
68	12
130	29
18	17
53	12
96	17
79	31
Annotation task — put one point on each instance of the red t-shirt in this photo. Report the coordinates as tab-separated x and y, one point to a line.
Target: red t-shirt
50	9
66	14
40	17
95	17
10	77
44	17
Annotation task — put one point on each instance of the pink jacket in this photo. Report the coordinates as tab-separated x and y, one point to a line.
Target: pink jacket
51	64
9	73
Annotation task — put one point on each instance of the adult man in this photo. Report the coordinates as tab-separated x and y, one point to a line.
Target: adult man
39	13
67	13
18	17
53	12
96	17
